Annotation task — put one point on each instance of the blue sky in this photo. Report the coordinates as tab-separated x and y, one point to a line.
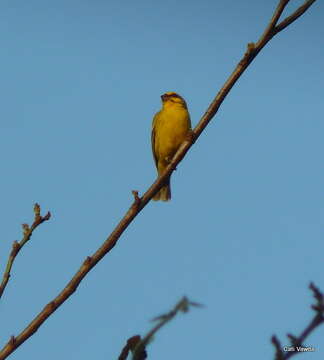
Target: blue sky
243	234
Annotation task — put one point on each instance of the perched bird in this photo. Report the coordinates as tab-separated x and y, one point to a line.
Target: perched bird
170	127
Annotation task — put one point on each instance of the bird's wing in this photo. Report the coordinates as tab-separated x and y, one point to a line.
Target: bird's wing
153	138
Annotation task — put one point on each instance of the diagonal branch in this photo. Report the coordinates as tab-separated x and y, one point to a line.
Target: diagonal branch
17	246
140	202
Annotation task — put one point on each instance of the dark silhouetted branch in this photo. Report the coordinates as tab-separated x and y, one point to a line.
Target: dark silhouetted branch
297	342
130	347
139	352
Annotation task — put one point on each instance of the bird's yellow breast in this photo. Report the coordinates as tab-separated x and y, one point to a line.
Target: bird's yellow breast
170	127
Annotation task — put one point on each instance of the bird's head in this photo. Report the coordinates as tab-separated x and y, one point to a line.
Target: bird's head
173	99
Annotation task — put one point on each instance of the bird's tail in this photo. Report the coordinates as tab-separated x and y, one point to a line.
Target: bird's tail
165	193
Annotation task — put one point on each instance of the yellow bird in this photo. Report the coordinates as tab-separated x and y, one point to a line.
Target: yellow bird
170	127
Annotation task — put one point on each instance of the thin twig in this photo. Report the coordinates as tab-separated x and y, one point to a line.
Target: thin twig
273	22
140	203
17	246
294	16
298	341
